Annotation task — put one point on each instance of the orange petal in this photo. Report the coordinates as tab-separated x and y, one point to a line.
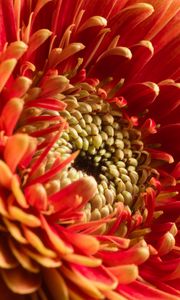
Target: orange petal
100	277
55	239
26	218
20	198
46	262
68	51
135	255
83	283
93	21
36	243
36	196
15	231
7	259
86	243
56	284
54	85
14	50
20	87
20	281
5	174
23	259
6	68
111	295
166	243
15	149
11	113
82	260
125	274
37	39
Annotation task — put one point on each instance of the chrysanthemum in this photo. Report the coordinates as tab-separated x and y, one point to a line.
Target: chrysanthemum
89	112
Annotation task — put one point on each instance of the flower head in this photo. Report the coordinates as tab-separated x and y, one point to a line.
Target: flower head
89	111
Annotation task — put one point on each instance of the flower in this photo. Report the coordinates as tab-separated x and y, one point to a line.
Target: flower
88	149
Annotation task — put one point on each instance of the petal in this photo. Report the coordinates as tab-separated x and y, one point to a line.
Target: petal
135	255
99	276
36	196
23	259
168	136
15	231
56	284
42	260
5	174
11	113
129	18
20	281
86	243
58	55
7	259
26	218
37	243
125	274
116	58
82	282
20	198
53	85
55	239
6	68
20	87
36	40
140	95
141	291
15	149
84	188
167	101
82	260
7	32
14	50
142	52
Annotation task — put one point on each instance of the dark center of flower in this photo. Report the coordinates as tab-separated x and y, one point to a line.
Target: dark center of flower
111	150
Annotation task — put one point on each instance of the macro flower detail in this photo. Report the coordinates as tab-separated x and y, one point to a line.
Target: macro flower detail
89	152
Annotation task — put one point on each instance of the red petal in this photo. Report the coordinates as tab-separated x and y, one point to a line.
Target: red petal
84	188
141	291
7	33
140	95
167	101
99	276
135	255
116	58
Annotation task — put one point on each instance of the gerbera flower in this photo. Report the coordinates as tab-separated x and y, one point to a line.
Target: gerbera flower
89	112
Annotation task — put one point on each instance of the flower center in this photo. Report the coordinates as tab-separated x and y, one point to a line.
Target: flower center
111	150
